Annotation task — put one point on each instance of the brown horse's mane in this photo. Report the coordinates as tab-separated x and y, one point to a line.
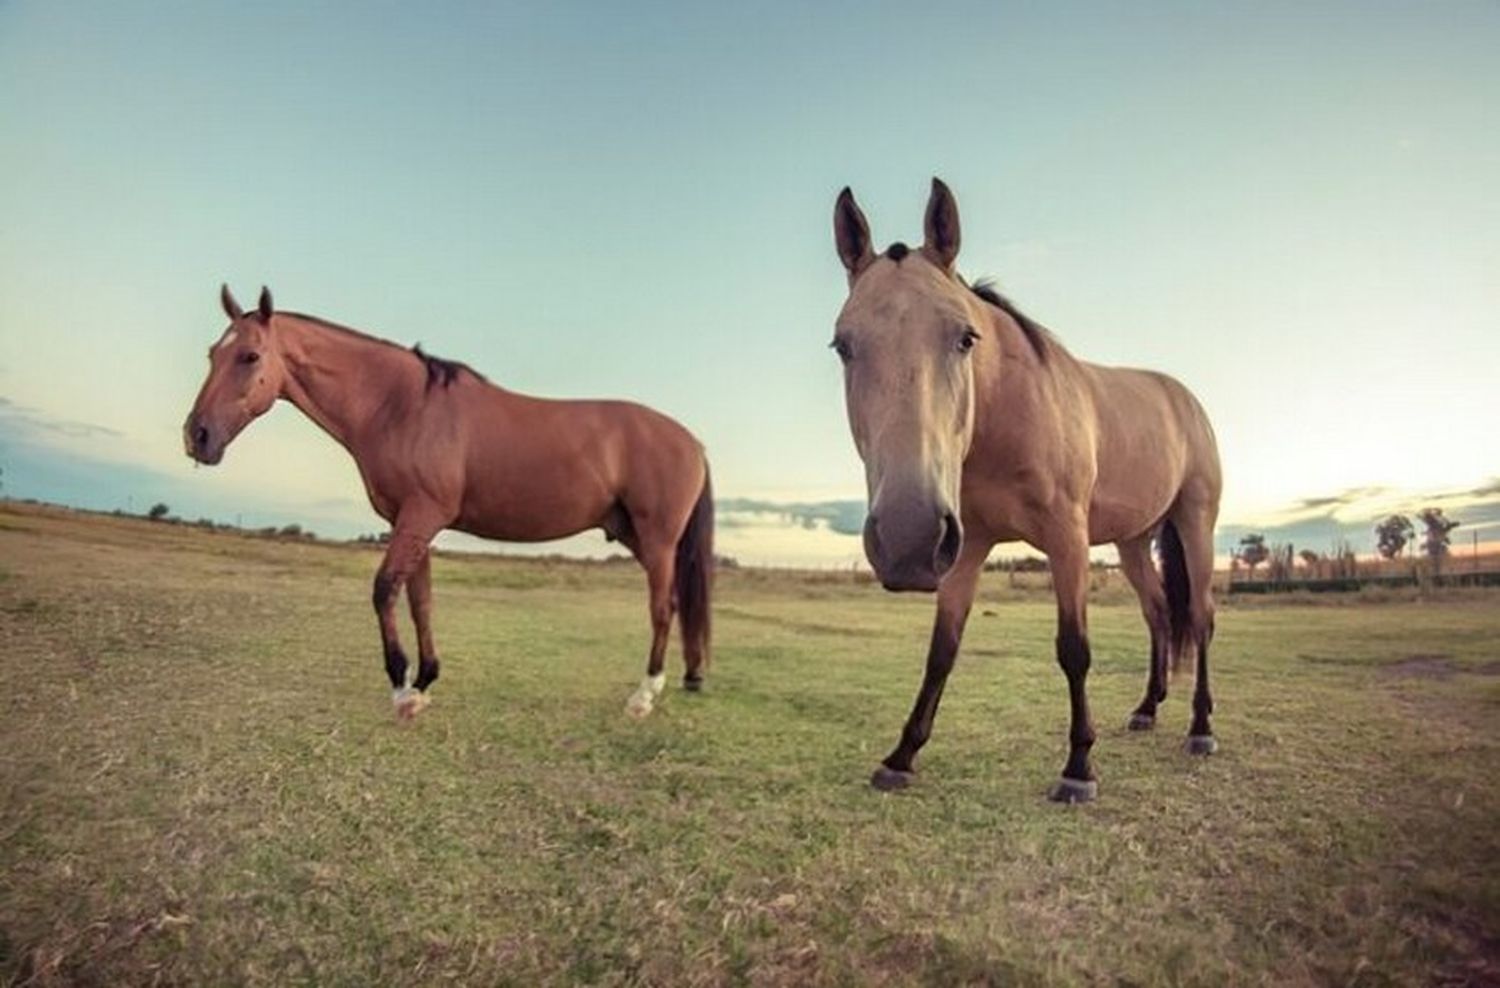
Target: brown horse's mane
1036	334
440	372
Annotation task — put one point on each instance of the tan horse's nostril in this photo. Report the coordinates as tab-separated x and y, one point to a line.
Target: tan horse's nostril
948	546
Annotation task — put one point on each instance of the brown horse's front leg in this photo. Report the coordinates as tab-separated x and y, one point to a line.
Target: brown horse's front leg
955	597
419	596
1069	565
406	554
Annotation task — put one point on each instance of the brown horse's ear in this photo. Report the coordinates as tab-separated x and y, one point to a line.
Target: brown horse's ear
941	226
231	307
851	234
266	308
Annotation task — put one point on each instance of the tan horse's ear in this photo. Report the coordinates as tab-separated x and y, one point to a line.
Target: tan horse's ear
851	234
941	226
266	308
231	307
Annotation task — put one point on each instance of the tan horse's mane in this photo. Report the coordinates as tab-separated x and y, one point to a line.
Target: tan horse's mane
1040	337
440	372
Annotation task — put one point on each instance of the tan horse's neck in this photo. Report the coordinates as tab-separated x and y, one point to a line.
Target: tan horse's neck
1011	375
342	379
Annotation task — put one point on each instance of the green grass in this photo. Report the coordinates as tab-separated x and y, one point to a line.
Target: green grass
202	783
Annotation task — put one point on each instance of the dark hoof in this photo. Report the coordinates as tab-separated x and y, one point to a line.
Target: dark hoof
888	779
1201	744
1142	722
693	685
1074	791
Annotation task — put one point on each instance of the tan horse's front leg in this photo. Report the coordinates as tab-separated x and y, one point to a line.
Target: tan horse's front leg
1069	560
955	597
405	558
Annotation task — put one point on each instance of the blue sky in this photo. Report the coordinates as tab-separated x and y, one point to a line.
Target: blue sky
1294	208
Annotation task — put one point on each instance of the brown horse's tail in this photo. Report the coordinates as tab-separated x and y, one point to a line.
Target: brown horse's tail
694	582
1183	642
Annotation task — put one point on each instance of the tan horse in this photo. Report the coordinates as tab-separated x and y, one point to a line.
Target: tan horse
977	427
440	447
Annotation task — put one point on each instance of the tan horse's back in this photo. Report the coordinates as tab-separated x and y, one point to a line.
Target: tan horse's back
1154	443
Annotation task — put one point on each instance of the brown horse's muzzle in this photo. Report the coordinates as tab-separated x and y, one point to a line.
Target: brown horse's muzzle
202	441
912	547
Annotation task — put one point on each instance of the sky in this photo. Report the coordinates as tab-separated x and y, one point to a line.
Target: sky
1294	208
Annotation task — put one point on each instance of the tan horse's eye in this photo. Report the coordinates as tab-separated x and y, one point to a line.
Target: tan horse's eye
249	357
967	340
841	347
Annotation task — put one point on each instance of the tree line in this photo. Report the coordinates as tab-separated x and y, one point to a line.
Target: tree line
1392	536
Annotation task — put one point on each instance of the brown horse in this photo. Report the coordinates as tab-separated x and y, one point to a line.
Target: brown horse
440	447
977	427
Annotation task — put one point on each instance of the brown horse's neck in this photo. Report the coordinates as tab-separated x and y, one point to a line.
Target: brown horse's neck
342	379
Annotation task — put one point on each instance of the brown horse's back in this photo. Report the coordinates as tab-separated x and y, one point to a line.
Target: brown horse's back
538	469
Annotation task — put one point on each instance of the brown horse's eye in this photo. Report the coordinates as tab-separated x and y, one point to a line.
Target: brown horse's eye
967	340
841	347
249	357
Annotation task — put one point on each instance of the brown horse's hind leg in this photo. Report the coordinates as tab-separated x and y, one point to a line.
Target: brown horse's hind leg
407	550
658	560
955	597
1135	561
419	596
1070	566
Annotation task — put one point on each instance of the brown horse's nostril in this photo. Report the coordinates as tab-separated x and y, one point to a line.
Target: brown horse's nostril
200	436
947	550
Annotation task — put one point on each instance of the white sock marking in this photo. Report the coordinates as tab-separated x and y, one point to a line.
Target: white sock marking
643	700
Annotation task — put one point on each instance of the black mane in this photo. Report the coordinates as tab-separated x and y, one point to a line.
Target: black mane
440	372
1036	334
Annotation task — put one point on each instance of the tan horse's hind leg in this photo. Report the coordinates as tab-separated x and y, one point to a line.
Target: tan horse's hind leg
1195	526
659	562
1135	561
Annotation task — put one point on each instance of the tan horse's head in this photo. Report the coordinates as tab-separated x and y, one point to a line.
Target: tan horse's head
908	336
245	376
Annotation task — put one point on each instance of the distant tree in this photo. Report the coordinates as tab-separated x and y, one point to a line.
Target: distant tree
158	511
1253	551
1435	538
1342	562
1279	565
1392	535
1311	560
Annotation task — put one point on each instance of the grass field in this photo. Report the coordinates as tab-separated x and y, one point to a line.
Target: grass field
203	784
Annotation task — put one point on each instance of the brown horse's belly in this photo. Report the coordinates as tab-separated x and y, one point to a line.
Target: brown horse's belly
530	520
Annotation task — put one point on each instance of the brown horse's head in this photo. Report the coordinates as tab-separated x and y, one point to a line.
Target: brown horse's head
245	374
908	336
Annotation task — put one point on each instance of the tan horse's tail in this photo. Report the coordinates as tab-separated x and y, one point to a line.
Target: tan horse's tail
694	582
1183	643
